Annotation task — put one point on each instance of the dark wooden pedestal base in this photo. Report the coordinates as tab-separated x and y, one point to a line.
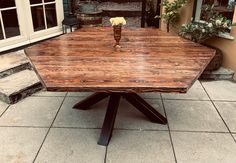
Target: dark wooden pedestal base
112	108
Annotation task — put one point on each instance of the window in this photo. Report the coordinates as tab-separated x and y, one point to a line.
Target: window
27	21
224	7
43	14
9	26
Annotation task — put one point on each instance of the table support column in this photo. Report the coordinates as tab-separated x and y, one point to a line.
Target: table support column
109	120
91	100
112	108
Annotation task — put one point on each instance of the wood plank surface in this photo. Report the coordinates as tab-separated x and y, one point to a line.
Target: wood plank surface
149	60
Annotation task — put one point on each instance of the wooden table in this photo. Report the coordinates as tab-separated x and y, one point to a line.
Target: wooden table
149	60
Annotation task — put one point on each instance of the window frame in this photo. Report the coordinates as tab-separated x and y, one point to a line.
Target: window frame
225	35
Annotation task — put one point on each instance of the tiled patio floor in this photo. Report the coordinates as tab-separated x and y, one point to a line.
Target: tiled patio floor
45	128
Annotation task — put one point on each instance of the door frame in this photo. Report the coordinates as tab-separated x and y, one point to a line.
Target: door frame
27	34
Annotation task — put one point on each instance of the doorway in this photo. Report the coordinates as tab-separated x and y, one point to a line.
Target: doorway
27	21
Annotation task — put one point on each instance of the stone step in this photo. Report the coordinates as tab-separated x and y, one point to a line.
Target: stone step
120	1
18	86
220	74
131	10
121	13
126	6
13	62
125	9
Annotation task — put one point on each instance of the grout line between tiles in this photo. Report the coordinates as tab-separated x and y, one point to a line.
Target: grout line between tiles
49	129
140	129
171	141
169	99
77	96
45	96
223	101
105	158
211	132
119	129
25	126
218	112
94	128
5	110
234	138
124	129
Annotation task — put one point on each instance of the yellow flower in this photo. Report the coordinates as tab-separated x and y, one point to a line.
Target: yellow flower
118	21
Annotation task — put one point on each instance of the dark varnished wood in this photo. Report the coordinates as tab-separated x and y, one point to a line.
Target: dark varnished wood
145	108
109	121
149	60
112	108
89	101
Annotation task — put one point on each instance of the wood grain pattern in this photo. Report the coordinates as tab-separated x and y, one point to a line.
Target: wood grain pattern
149	60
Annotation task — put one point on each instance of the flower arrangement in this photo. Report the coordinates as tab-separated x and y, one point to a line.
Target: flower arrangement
171	11
214	24
117	21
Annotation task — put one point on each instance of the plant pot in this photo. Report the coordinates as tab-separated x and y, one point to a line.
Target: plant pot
87	6
216	62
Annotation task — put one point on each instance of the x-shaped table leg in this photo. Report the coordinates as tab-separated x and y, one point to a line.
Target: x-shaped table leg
112	108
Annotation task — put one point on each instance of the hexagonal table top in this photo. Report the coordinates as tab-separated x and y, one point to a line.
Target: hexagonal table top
149	60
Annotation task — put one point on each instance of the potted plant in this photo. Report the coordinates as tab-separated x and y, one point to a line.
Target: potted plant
171	11
214	25
87	6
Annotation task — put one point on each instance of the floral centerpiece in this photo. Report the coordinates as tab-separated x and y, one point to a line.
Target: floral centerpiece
117	24
214	24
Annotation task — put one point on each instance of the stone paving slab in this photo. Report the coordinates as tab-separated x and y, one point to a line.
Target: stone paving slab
140	147
152	95
196	92
33	111
131	6
50	94
193	116
221	90
204	147
234	135
220	74
3	107
228	112
20	145
72	146
69	117
13	62
127	117
79	94
19	85
135	138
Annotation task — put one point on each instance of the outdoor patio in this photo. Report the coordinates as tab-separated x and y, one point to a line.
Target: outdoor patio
45	128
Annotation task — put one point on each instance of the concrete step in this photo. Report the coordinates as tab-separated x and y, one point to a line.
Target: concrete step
131	10
125	9
121	13
220	74
120	1
18	86
126	6
13	62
